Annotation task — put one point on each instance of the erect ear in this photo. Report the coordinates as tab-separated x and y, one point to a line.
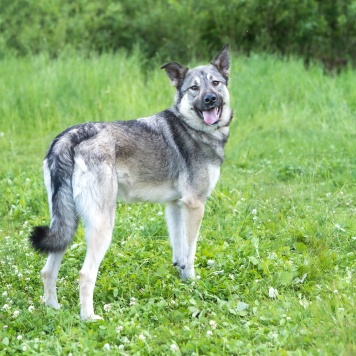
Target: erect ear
222	61
176	72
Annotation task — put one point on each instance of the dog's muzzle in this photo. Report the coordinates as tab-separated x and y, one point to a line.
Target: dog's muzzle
211	109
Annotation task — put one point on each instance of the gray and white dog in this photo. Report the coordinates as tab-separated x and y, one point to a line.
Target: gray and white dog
172	157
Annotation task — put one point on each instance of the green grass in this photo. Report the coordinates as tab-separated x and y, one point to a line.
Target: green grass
282	216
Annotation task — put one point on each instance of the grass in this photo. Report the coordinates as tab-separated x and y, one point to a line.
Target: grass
276	257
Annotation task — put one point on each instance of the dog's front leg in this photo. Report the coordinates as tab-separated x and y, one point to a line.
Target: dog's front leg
184	220
176	229
193	212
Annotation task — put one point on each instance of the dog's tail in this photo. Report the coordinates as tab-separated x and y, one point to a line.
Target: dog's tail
58	169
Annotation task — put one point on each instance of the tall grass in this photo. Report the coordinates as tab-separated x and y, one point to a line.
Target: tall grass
276	257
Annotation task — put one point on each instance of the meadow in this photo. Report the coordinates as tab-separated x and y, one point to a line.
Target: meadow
276	256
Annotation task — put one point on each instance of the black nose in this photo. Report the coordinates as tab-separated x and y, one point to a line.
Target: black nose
209	98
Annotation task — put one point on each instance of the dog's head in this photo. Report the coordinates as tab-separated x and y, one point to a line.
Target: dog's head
202	96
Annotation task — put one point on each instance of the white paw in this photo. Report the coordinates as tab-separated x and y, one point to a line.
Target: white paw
92	317
96	317
180	265
52	304
187	273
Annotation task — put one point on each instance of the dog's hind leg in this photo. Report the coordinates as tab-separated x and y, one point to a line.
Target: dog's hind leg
98	240
49	275
96	203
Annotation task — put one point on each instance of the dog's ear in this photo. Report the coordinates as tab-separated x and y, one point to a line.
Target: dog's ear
222	61
176	72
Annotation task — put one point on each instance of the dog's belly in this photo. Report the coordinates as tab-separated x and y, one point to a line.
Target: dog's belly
156	193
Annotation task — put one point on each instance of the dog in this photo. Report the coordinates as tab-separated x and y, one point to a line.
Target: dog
172	157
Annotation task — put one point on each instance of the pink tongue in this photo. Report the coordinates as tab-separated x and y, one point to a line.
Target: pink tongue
211	116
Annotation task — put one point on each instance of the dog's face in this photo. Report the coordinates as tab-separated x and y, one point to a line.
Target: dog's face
202	96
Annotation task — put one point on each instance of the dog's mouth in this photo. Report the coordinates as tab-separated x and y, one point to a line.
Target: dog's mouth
211	116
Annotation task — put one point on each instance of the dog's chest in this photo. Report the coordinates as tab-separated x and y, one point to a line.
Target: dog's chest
213	173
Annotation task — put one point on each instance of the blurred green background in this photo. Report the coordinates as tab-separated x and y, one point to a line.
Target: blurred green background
324	30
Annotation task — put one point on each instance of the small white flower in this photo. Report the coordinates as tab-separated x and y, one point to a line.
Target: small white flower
19	337
254	212
133	301
121	347
31	308
219	272
273	293
6	306
174	347
210	262
107	347
20	275
209	333
231	276
160	213
4	294
24	348
6	326
16	313
119	328
42	299
107	307
142	337
212	323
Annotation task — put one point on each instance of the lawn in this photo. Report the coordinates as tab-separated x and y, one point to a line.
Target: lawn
276	255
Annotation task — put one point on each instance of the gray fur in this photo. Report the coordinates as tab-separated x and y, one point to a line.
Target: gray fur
172	157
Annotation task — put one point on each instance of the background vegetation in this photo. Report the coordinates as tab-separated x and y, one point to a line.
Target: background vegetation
276	256
320	29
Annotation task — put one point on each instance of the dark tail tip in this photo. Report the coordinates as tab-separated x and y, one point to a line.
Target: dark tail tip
38	237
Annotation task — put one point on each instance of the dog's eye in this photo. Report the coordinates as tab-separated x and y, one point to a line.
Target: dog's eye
194	87
216	83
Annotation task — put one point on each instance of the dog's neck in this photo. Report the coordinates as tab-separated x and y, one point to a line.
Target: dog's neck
214	136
